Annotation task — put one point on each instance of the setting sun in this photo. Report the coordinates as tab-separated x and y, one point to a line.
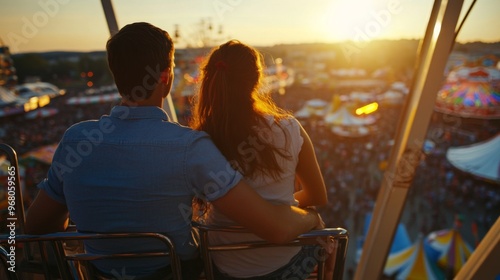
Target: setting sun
343	17
359	20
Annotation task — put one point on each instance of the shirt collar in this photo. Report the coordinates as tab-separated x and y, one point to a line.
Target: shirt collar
142	112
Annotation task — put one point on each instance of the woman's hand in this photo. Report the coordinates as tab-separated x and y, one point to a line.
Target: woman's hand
321	223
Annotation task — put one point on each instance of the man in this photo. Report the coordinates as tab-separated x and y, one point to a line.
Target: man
134	171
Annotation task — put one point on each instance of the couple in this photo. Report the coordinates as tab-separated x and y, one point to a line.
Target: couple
135	171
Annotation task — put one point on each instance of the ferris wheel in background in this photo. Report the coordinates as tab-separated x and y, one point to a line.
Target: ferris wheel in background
204	34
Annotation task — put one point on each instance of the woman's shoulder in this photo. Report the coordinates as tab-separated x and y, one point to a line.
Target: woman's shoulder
284	127
284	120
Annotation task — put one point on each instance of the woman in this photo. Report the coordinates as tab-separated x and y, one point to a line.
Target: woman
267	145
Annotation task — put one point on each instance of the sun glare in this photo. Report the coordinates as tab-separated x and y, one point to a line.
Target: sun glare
354	20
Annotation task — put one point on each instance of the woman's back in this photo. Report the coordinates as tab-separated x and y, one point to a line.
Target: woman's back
247	263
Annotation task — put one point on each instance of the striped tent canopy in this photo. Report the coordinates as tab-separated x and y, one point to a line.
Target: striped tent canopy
400	242
413	263
6	97
452	249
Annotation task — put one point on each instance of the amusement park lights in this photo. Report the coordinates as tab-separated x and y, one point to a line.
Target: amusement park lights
367	109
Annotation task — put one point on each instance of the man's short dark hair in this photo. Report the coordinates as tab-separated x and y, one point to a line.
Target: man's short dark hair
137	55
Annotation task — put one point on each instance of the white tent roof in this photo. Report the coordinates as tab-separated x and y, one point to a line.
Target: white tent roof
343	117
6	96
303	113
316	103
28	90
392	97
480	159
313	107
361	96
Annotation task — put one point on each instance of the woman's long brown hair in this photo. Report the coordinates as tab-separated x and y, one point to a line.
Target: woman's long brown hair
231	108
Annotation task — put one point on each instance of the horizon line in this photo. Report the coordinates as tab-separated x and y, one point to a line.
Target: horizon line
262	46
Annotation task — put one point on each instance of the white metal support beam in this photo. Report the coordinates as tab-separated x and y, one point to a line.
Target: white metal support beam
412	128
484	261
109	13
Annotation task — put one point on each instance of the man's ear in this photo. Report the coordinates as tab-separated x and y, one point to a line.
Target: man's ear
165	76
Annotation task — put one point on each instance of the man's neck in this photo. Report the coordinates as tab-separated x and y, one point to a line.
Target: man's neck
143	103
156	99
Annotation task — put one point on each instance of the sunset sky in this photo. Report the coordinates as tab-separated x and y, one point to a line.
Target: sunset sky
48	25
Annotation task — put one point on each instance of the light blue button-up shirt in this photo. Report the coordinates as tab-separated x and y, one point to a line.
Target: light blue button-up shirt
134	171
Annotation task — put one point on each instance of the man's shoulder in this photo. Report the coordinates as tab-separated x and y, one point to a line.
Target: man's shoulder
80	126
166	131
195	135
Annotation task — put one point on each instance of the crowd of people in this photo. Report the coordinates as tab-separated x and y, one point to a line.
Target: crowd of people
25	134
440	197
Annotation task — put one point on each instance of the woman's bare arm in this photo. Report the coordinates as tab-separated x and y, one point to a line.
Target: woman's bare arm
313	190
274	223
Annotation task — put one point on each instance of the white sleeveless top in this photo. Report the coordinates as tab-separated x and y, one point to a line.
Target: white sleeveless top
257	262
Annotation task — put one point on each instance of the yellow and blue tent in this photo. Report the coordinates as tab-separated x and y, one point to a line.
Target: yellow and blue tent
413	263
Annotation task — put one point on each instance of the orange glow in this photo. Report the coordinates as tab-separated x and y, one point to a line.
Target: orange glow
43	101
90	84
32	104
90	74
367	109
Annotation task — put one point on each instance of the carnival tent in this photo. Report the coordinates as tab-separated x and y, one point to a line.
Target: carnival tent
39	89
452	249
391	97
400	242
7	97
343	117
343	123
413	263
480	159
303	113
313	107
10	104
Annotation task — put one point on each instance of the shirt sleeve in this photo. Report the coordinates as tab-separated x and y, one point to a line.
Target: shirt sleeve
208	173
296	137
53	184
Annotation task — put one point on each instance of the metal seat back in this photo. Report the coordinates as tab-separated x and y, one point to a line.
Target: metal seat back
77	265
337	238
